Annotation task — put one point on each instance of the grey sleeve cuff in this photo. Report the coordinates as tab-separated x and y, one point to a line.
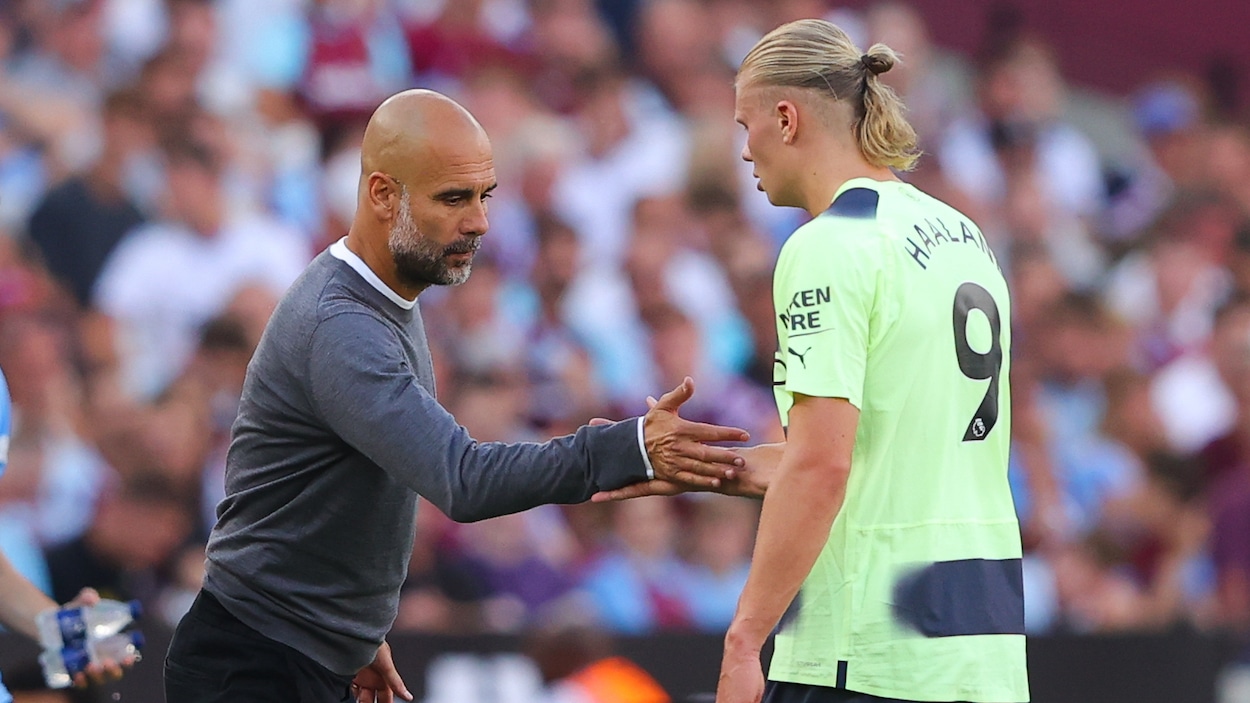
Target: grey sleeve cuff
617	457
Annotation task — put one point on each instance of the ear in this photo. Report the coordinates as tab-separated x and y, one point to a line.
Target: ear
379	190
787	115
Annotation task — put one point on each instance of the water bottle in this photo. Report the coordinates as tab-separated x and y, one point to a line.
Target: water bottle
60	666
74	626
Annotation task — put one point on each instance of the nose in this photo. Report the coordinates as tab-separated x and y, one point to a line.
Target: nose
475	222
746	152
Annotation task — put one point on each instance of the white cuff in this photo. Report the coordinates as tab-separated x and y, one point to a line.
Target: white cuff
642	447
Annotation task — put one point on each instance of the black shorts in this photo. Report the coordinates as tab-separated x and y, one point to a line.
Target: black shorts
786	692
215	658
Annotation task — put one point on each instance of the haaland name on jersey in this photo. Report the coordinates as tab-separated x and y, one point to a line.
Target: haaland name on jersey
931	236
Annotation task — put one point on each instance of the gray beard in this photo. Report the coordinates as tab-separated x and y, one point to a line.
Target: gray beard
420	262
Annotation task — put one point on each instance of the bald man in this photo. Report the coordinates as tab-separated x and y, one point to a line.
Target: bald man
338	433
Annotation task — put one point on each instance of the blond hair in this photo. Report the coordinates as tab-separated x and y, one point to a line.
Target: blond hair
819	56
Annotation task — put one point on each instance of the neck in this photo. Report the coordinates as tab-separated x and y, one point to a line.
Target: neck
373	251
826	177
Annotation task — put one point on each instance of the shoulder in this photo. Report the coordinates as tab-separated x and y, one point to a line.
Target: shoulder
851	226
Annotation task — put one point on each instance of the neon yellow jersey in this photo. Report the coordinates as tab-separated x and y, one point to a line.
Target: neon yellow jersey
894	301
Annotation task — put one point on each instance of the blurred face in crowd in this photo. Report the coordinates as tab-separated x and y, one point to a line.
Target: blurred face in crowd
194	192
1023	87
646	526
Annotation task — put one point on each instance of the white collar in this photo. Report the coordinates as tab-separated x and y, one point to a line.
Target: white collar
340	251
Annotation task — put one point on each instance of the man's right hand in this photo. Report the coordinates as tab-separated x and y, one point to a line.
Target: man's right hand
749	481
677	448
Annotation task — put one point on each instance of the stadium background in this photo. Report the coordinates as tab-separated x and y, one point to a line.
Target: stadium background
1103	148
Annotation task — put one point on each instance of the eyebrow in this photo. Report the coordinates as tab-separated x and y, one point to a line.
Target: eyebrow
453	193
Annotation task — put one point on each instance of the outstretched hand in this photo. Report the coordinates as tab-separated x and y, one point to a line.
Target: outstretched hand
380	681
749	481
97	672
678	448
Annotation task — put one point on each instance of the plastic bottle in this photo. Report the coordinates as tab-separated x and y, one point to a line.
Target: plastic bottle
60	666
72	627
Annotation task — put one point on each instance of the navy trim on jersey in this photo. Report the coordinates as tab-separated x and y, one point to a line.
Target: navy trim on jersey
964	597
859	203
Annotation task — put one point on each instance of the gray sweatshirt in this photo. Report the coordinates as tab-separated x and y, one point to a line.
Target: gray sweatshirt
338	433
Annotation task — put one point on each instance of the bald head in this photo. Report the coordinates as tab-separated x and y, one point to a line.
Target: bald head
426	173
409	124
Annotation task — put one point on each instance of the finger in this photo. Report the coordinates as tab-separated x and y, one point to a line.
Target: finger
713	433
364	695
692	479
651	401
712	455
673	399
390	675
80	680
638	490
597	421
87	596
385	695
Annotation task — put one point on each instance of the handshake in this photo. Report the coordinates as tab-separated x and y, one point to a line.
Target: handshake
683	460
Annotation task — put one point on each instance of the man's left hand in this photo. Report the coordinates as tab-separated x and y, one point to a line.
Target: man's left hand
741	675
380	681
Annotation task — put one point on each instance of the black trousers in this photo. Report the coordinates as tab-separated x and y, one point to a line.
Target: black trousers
215	658
785	692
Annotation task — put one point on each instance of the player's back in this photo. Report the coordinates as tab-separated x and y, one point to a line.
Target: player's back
893	300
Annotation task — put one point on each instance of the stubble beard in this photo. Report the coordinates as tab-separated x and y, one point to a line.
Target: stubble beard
421	262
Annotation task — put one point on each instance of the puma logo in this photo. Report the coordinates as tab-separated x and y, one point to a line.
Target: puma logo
800	356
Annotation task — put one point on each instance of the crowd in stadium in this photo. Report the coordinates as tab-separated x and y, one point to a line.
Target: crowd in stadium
167	168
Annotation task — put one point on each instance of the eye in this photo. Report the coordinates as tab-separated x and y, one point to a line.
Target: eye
487	196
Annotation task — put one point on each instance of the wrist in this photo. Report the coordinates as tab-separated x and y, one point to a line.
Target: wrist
742	637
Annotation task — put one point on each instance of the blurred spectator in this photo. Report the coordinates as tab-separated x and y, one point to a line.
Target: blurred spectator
934	84
166	279
636	585
57	468
137	527
562	385
635	148
577	666
1020	95
1078	345
53	87
80	221
1169	290
721	538
1199	396
355	55
465	36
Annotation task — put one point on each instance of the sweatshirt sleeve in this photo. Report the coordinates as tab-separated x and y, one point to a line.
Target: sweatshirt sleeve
363	389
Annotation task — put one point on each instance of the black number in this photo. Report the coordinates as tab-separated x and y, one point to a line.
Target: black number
974	364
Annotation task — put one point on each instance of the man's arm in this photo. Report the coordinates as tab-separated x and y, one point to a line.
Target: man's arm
20	600
802	501
366	394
